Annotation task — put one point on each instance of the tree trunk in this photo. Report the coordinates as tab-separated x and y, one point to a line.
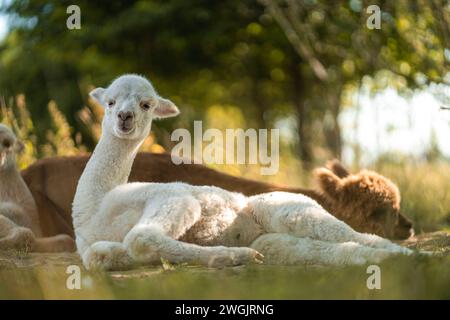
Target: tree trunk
333	133
303	118
260	103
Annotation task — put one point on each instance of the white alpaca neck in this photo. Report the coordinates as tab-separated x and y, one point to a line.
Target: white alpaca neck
109	166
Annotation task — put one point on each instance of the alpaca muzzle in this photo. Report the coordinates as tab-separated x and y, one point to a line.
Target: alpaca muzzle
125	121
404	229
3	156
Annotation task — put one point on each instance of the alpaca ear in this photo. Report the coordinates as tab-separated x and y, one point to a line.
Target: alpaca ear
97	94
337	168
165	109
328	182
19	147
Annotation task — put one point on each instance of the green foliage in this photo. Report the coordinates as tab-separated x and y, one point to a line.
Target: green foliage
19	120
201	53
59	140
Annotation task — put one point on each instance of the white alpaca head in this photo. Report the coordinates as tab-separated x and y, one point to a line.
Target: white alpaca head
131	103
9	146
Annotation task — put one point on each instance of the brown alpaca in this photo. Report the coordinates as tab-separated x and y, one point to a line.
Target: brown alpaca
366	201
53	181
19	219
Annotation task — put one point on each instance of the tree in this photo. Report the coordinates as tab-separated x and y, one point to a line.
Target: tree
271	58
338	49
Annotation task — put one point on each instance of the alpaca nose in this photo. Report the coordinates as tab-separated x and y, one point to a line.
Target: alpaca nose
124	116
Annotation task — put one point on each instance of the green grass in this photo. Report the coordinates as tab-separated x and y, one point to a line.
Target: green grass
401	278
425	191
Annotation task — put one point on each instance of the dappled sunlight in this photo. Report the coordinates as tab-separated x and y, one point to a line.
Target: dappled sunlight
368	84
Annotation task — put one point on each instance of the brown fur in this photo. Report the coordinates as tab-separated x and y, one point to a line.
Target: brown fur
366	201
53	182
19	217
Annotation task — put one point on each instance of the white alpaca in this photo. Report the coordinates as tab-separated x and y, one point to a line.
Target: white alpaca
19	220
119	224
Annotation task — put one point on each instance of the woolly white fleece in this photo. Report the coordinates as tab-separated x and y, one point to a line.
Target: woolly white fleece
120	224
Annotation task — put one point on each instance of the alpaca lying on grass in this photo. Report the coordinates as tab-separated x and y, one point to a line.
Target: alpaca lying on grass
119	224
365	200
19	221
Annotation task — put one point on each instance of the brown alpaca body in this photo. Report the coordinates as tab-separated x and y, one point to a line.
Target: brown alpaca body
53	182
19	219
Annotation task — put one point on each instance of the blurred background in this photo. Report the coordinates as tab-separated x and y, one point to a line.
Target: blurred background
335	88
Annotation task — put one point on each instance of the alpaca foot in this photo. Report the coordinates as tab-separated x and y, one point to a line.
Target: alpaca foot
141	250
64	243
234	257
397	249
107	256
377	242
20	238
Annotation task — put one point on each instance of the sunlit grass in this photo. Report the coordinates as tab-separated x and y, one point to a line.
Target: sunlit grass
401	278
425	189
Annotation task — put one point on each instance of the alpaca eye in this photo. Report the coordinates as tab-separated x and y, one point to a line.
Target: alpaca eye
145	105
111	103
379	213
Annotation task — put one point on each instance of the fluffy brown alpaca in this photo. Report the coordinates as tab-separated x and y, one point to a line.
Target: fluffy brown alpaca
53	182
366	201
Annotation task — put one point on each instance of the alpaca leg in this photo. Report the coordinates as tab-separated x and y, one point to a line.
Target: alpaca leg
164	221
297	215
109	255
284	249
106	256
148	244
14	213
58	243
15	237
